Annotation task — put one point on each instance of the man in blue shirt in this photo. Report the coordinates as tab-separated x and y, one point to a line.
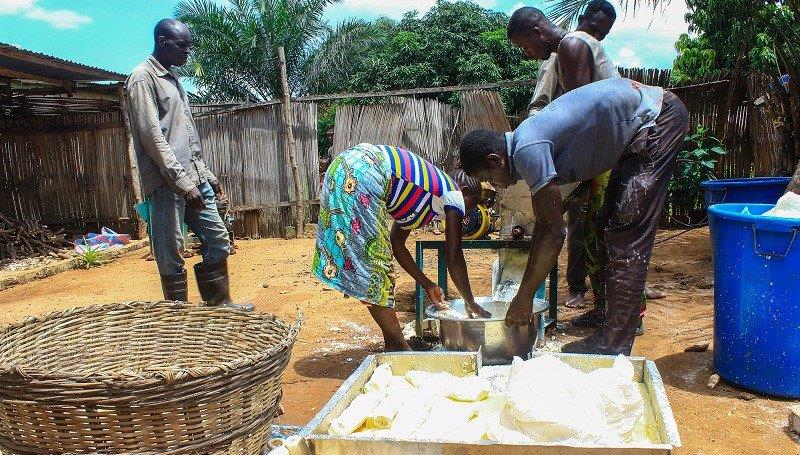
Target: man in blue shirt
633	129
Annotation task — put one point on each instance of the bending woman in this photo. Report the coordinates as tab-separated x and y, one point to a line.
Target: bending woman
363	187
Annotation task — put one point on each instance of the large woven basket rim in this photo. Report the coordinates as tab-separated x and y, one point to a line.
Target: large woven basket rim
121	379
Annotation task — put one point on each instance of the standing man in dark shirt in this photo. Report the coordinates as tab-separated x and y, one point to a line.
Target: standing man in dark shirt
173	175
593	25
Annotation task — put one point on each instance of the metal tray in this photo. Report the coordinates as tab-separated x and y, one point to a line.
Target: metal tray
661	423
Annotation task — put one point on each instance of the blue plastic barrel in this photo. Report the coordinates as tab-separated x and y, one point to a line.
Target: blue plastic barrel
758	190
756	298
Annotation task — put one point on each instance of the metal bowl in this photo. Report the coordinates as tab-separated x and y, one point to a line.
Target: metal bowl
498	343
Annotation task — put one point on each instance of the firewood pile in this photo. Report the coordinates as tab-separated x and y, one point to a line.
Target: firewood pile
27	239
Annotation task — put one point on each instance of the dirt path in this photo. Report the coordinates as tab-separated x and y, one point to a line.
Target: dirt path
338	333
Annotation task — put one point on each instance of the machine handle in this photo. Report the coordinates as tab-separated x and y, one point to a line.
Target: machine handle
773	242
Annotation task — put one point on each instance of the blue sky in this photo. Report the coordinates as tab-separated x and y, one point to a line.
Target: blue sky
117	34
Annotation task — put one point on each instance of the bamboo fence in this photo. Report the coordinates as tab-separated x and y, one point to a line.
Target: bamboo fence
246	150
68	171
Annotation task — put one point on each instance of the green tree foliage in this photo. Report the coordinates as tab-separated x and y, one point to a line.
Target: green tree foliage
697	161
455	43
725	32
695	59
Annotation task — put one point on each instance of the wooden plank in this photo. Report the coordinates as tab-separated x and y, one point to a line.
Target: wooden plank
52	62
12	74
382	94
255	207
420	91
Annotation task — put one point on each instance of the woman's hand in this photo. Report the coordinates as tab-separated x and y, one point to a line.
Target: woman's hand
436	296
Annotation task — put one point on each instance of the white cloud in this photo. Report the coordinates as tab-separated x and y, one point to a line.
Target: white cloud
14	6
626	57
60	18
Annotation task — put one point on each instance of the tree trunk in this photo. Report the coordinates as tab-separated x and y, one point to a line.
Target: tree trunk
289	134
721	128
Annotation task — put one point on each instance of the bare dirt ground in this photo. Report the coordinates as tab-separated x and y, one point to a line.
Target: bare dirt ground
338	333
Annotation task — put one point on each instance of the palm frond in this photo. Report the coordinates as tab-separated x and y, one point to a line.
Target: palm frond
235	46
329	66
564	13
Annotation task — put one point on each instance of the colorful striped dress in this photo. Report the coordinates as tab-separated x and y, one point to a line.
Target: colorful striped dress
363	187
419	191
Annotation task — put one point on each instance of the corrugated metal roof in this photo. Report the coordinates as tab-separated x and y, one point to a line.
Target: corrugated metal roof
21	64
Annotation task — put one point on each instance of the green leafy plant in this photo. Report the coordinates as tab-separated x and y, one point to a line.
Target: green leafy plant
91	256
697	162
325	121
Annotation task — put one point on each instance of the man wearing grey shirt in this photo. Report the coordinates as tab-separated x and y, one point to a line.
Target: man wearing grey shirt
632	129
174	177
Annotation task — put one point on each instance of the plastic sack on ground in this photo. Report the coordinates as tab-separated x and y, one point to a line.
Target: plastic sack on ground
105	240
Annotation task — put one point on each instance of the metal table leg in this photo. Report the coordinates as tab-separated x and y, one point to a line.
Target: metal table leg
419	297
442	270
552	314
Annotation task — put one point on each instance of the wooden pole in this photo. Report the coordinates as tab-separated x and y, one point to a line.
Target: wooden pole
287	126
133	166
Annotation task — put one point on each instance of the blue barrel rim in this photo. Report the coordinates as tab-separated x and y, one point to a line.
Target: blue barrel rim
746	181
733	211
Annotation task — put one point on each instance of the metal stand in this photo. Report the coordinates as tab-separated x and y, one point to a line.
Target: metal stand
441	271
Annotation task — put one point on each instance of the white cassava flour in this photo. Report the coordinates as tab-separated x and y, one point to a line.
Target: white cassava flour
538	400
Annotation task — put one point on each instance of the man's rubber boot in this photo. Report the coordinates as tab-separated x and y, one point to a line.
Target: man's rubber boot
174	287
591	319
214	285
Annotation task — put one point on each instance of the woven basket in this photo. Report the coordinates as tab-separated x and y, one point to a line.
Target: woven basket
141	377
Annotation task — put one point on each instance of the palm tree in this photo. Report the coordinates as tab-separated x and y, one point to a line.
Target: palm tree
235	46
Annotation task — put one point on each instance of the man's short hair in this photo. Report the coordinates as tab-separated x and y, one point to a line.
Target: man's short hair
524	20
476	146
165	27
597	6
